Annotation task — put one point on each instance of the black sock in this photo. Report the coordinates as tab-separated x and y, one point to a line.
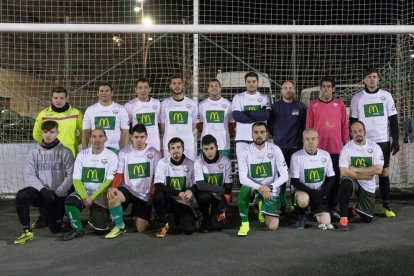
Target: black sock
26	228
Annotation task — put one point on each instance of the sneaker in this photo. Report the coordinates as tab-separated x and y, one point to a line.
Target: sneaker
334	215
387	212
73	234
261	216
115	232
161	233
343	224
326	226
300	223
24	237
39	223
244	229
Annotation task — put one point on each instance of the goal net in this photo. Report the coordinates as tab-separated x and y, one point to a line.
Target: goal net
32	63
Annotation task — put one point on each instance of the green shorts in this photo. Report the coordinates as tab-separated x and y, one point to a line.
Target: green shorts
365	200
271	207
98	217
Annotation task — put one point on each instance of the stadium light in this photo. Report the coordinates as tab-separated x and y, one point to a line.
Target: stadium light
137	9
147	21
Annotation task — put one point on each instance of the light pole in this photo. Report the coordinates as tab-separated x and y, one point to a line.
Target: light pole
146	21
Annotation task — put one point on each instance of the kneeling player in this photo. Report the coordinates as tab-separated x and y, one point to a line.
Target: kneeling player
93	173
261	167
312	175
360	160
48	174
174	189
213	179
137	163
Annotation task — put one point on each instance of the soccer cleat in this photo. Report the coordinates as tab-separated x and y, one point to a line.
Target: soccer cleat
300	223
115	232
343	224
161	233
244	229
326	226
261	216
387	212
73	234
24	237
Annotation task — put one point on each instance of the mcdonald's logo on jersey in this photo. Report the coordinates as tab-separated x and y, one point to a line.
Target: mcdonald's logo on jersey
314	175
176	182
252	107
261	170
94	175
216	179
373	110
215	116
147	119
361	162
139	170
178	117
105	123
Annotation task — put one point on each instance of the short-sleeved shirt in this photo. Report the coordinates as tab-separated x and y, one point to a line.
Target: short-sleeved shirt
216	173
110	118
367	155
138	168
373	109
216	116
148	114
178	177
246	102
311	169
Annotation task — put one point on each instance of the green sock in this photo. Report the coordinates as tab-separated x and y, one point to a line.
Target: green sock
243	203
116	214
73	214
282	195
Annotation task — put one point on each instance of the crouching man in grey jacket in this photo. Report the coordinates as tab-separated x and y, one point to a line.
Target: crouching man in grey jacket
48	178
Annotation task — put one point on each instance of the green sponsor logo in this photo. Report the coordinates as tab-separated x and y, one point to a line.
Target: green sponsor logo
178	117
252	107
146	119
215	116
373	110
139	170
93	175
105	123
261	170
314	175
176	182
361	162
214	178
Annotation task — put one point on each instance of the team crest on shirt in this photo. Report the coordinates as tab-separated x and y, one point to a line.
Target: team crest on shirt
260	100
115	111
270	155
370	151
335	104
188	106
295	112
150	155
221	166
154	107
383	98
104	161
224	105
323	160
186	168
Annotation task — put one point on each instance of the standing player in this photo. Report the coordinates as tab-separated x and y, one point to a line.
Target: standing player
179	117
375	108
287	122
249	107
216	117
174	189
213	177
145	110
48	174
68	118
132	182
359	162
262	167
93	173
109	116
327	115
312	175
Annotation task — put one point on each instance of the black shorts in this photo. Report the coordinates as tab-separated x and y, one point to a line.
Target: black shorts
386	151
140	208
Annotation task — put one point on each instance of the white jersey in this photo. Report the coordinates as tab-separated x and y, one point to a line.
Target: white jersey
138	168
263	167
216	173
246	102
148	114
367	155
311	169
179	119
94	169
179	177
110	118
373	109
216	116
